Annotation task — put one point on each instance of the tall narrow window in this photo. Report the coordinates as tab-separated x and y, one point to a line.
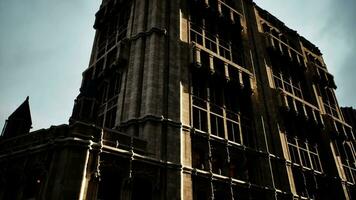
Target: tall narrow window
348	160
216	109
304	154
110	118
288	84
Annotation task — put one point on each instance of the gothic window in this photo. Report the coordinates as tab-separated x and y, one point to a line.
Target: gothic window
198	159
114	86
200	120
108	98
288	84
329	101
213	37
238	165
232	103
305	182
217	124
233	128
348	160
103	90
199	154
111	57
219	159
110	118
279	174
113	27
101	42
99	67
299	181
216	109
304	154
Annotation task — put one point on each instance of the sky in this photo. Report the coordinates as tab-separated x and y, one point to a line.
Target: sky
45	45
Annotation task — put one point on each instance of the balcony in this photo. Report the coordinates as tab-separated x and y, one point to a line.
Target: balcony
300	107
283	49
213	43
339	127
322	75
223	10
217	55
120	140
221	67
226	11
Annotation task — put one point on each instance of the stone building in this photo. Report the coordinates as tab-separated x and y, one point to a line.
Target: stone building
193	100
349	114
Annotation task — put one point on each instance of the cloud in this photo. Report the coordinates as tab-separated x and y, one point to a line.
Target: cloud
341	29
45	45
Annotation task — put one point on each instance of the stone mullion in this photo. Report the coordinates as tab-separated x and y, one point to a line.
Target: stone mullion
211	63
310	160
224	114
217	38
226	68
299	153
208	110
241	79
203	33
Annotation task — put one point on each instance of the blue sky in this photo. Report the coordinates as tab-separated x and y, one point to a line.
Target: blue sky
46	44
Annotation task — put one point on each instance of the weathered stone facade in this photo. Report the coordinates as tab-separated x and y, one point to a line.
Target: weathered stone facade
193	100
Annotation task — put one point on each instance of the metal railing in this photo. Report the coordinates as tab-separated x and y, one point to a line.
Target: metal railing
284	48
227	10
214	47
301	106
211	42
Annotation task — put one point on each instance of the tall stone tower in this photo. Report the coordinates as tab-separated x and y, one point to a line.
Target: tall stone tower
218	90
193	100
133	85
